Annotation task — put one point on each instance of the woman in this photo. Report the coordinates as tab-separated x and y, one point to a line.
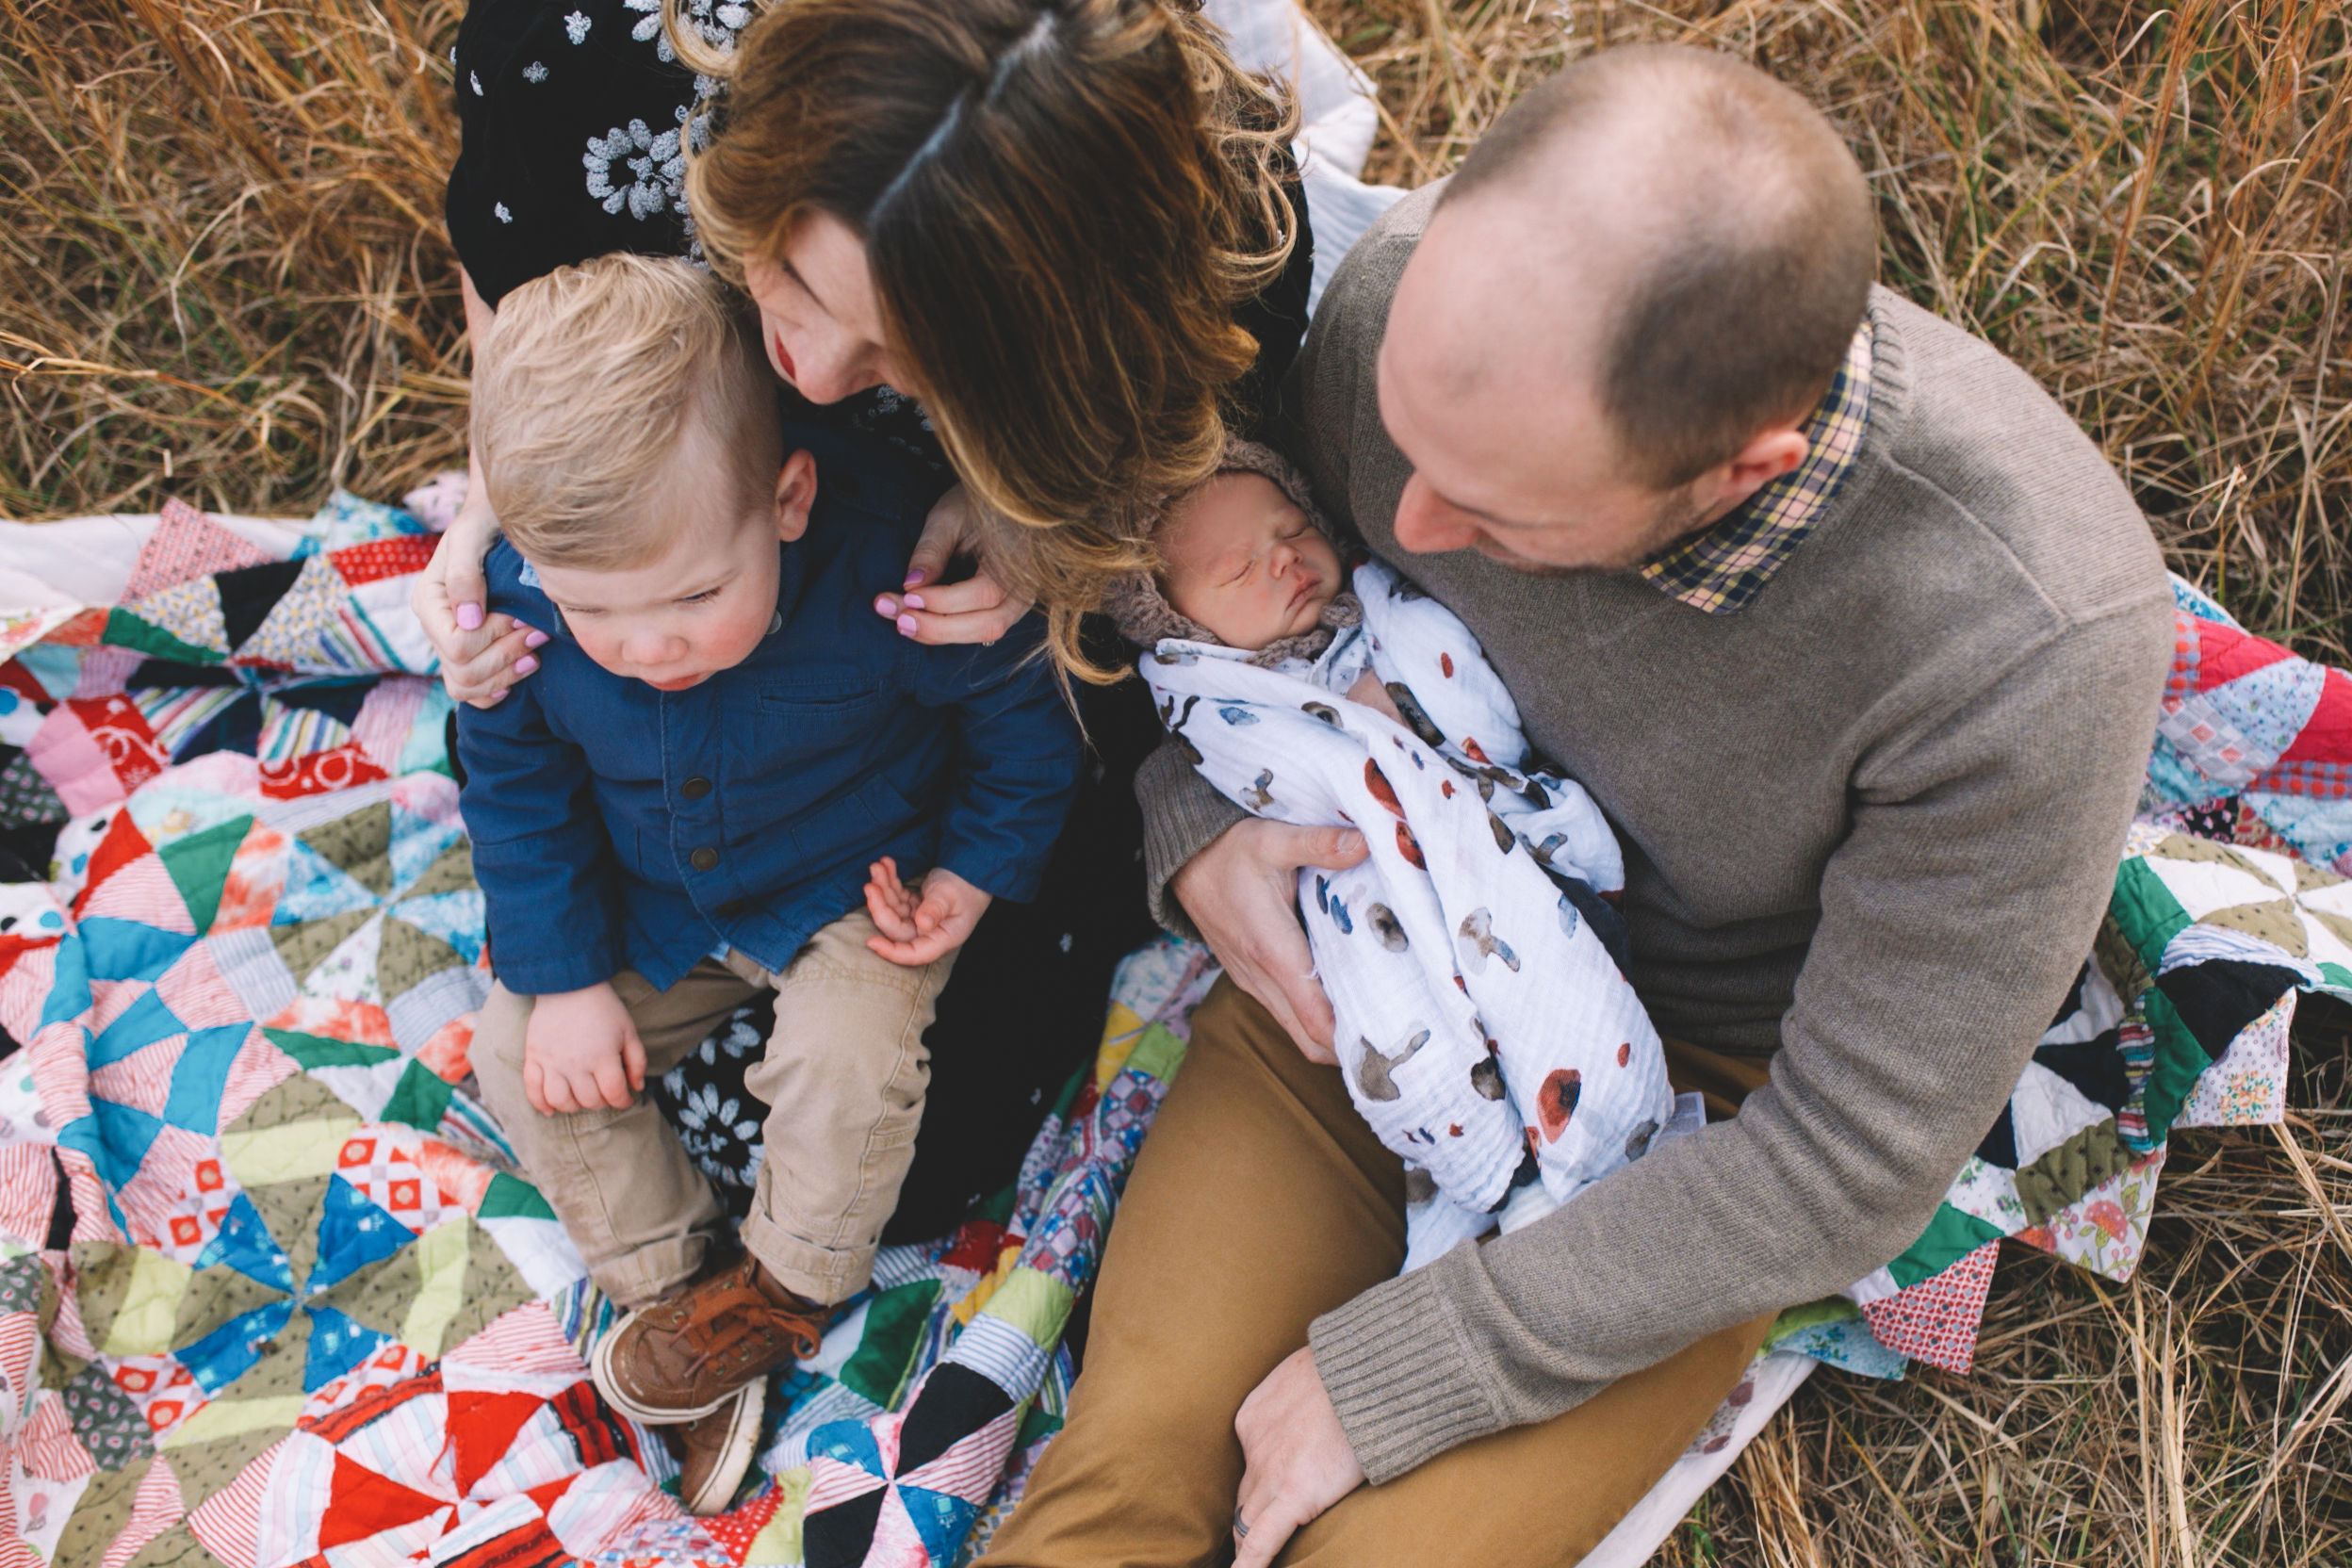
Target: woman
1069	228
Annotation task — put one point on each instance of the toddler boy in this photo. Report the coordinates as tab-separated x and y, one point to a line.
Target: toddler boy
707	788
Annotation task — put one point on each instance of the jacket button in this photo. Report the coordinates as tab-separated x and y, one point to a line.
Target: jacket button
694	789
703	859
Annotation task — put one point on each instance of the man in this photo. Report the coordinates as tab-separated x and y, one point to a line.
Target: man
1859	642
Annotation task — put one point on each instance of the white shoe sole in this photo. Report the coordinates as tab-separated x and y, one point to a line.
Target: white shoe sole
600	1372
743	1434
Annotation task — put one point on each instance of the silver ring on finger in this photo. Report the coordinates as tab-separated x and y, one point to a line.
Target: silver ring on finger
1241	1531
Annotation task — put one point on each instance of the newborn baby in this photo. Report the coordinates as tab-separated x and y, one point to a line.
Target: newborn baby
1484	1025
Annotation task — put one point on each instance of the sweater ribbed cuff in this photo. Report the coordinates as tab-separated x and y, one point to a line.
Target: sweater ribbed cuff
1395	1365
1182	813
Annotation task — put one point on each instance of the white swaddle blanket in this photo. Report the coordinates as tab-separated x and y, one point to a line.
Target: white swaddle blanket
1479	1016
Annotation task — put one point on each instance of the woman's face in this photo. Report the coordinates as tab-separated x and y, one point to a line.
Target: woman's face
819	315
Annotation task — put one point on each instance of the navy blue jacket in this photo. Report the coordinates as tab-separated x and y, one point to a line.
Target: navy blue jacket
617	826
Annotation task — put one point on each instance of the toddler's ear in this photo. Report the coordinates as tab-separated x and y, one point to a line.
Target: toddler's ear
795	492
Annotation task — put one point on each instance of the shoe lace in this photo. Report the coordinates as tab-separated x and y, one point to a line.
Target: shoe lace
721	1320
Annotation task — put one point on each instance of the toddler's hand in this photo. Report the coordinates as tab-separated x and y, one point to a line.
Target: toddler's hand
580	1051
918	929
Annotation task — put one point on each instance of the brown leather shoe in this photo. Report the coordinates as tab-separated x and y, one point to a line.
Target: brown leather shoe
683	1358
715	1451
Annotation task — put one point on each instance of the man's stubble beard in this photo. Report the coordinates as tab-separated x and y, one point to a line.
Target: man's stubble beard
1679	516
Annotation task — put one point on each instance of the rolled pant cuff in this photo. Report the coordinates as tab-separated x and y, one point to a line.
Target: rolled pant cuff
653	1272
815	1273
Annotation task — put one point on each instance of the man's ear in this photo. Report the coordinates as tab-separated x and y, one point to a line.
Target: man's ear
1768	454
795	492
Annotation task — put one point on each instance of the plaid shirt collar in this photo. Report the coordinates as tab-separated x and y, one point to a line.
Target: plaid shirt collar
1723	569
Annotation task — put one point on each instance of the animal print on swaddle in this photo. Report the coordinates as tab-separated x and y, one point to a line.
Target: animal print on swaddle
1481	1015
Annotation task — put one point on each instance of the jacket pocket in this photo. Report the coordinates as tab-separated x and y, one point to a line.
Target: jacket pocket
800	717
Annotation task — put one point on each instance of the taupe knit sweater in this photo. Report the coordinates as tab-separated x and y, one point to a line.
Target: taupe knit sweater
1871	823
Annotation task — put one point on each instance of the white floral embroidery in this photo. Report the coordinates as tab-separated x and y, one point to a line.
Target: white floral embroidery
498	210
575	27
717	20
477	81
632	167
535	72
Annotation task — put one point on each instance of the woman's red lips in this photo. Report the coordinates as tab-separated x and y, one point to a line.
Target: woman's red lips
784	361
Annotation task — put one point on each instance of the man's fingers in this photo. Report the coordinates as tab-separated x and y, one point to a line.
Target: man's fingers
1260	1532
633	1062
558	1089
533	1091
1297	1005
1331	848
612	1080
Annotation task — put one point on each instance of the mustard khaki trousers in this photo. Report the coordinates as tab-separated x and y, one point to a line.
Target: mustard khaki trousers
1260	1200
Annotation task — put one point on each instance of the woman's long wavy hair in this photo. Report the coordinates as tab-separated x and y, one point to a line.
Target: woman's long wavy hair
1062	202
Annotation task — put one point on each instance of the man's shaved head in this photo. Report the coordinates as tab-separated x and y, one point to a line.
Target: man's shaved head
1704	235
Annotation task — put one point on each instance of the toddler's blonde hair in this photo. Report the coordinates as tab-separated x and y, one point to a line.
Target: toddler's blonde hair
593	379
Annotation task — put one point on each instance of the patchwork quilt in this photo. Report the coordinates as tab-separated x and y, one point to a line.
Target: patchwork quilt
2231	899
272	1290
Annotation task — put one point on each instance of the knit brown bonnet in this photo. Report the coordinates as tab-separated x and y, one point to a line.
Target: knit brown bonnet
1141	611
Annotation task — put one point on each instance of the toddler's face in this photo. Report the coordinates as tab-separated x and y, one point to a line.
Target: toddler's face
1241	559
705	605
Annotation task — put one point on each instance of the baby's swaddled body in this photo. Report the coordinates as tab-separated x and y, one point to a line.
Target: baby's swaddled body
1485	1028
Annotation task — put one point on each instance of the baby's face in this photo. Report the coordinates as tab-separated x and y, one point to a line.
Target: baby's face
1240	559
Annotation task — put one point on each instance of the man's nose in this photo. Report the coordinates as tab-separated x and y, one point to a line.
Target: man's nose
1426	525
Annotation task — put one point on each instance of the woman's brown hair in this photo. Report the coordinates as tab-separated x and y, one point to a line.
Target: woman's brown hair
1062	202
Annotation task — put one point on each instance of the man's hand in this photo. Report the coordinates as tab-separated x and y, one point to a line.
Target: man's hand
1296	1460
580	1051
1242	892
917	929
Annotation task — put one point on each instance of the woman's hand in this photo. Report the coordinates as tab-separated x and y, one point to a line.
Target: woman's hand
1242	892
976	609
480	655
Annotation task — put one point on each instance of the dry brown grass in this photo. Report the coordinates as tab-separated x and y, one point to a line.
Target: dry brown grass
222	250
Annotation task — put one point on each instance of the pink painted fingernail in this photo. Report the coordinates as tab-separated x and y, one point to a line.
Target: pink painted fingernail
536	640
469	617
526	664
914	601
885	605
906	626
916	578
